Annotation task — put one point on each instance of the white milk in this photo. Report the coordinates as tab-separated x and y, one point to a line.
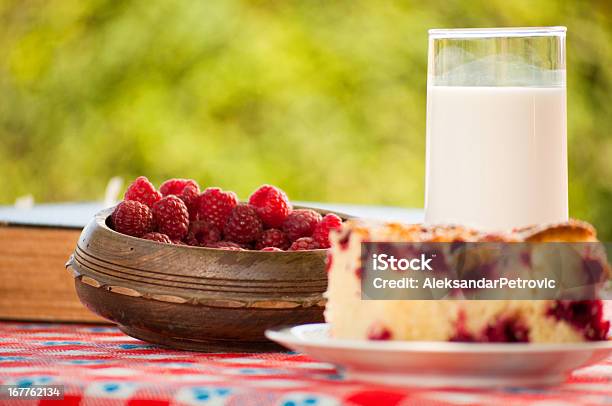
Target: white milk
496	156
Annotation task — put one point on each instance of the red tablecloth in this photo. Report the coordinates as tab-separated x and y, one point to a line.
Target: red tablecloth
101	365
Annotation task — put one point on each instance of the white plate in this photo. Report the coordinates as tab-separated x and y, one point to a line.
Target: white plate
443	364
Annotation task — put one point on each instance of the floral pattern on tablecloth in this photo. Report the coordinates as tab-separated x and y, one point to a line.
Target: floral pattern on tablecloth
102	366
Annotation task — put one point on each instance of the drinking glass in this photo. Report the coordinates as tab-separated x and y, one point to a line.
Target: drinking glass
496	127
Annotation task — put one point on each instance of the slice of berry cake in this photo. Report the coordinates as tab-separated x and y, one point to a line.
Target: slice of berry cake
351	317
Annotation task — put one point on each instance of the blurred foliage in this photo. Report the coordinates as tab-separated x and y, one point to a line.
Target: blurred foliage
324	99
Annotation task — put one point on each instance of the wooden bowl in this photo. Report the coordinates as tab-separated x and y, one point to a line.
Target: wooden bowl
195	298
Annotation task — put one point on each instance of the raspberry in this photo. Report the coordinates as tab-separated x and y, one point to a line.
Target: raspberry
178	242
379	332
304	243
322	229
271	249
176	186
143	191
215	206
300	223
271	204
272	237
191	197
243	225
202	233
159	237
226	245
132	218
171	217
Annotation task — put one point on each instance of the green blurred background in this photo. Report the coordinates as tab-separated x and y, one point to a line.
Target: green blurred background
324	99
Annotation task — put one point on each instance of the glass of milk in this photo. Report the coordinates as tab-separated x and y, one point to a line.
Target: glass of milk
496	127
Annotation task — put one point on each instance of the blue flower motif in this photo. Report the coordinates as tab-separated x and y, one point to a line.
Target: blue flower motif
134	346
33	380
111	387
201	394
56	343
86	361
308	399
13	358
25	383
258	371
204	393
101	329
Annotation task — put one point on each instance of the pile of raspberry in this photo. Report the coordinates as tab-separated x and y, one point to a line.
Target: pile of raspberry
179	213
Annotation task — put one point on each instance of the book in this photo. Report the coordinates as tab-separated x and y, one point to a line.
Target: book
35	244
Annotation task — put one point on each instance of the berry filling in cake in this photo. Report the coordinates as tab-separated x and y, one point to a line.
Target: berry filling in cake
585	316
